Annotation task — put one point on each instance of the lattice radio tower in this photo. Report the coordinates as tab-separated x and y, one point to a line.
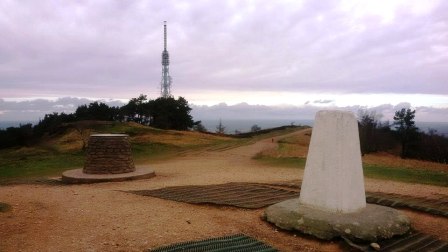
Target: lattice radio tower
165	84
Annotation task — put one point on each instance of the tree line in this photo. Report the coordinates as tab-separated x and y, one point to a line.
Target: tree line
162	113
401	136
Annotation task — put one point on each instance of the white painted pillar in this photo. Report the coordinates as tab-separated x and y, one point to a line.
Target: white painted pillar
333	178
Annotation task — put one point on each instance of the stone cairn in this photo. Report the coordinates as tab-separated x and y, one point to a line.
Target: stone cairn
109	154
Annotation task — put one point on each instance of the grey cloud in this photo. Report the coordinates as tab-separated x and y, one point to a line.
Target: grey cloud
402	105
33	110
112	49
323	101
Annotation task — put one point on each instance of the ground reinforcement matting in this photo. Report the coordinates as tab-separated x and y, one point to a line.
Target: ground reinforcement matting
257	195
237	242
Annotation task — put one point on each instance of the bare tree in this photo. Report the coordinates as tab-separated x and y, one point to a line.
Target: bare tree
83	129
220	129
255	128
199	127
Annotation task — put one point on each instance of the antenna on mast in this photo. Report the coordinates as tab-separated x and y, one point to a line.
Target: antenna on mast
164	35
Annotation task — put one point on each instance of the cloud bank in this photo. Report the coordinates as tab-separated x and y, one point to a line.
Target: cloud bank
33	110
244	111
112	48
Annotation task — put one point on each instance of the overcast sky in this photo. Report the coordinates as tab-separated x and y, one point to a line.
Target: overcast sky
298	53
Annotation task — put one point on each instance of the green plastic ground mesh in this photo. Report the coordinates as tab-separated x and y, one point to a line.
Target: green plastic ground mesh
414	242
256	195
245	195
237	242
435	206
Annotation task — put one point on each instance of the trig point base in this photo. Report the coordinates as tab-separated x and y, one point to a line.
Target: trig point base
371	223
332	199
109	158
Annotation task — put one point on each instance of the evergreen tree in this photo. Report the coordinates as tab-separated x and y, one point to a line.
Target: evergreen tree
368	122
169	113
406	130
96	111
136	110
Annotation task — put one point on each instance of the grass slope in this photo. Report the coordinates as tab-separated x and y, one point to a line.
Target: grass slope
404	174
63	149
291	152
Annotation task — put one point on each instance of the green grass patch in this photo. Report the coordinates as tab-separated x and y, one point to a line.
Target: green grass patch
20	167
408	175
285	147
14	166
239	141
4	207
289	162
125	128
401	174
275	133
144	152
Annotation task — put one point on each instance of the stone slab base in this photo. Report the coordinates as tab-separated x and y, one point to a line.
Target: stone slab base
77	176
370	224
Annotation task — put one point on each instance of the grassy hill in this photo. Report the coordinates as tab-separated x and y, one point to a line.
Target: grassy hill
292	151
63	149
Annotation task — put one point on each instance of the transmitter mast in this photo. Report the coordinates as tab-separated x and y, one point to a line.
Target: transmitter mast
165	84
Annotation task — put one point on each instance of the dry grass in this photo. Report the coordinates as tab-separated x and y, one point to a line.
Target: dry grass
180	138
28	151
72	140
297	146
291	146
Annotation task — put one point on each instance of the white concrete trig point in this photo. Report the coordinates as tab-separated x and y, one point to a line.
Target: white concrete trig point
333	178
332	199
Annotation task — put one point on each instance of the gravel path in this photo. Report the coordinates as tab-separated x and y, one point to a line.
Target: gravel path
99	217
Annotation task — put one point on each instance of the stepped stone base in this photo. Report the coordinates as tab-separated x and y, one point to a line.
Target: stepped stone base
77	176
371	223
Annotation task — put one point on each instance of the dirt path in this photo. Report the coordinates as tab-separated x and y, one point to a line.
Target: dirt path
101	217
